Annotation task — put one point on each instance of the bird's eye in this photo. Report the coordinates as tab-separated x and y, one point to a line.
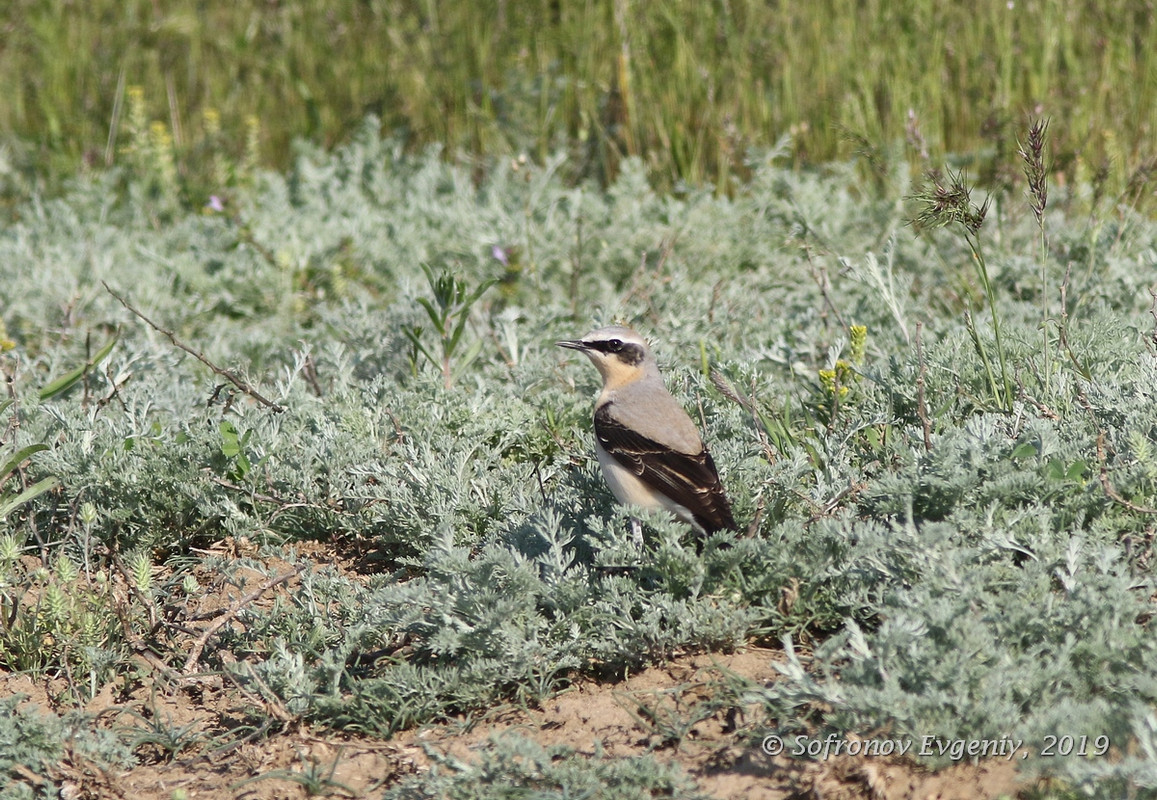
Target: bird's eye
614	345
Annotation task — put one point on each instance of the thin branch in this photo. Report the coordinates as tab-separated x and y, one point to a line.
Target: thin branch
753	526
820	276
266	697
1110	491
921	407
282	504
309	372
265	498
238	604
224	373
748	404
138	643
849	491
1153	313
131	583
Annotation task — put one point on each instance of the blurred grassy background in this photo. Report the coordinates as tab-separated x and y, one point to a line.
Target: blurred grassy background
688	86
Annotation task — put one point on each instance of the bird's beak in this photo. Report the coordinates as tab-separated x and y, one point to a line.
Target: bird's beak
573	344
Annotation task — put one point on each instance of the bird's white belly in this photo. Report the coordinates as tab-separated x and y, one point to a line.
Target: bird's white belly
629	489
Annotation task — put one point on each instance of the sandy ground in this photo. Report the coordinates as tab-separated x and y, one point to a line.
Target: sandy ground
619	719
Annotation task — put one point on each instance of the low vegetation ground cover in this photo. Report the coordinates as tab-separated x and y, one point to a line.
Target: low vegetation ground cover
940	436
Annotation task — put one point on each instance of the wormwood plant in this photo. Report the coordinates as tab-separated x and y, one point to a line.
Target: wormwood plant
35	742
315	779
955	568
514	766
155	737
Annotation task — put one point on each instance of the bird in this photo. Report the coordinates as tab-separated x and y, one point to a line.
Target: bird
649	450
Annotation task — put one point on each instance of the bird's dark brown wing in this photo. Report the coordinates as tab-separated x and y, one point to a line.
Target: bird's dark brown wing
690	480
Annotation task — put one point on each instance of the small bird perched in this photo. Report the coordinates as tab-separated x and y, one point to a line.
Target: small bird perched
649	450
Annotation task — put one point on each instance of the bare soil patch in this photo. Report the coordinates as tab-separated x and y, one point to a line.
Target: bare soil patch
665	711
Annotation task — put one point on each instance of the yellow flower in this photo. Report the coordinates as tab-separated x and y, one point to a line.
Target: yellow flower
839	377
858	344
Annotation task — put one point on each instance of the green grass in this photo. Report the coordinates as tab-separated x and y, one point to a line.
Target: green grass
689	87
962	557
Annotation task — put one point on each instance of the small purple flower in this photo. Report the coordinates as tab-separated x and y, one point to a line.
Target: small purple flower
499	254
215	204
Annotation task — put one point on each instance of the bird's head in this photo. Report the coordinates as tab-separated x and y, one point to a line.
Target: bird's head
620	354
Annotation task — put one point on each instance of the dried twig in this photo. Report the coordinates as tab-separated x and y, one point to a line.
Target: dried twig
820	276
644	282
264	697
139	644
224	373
309	372
238	604
848	492
265	498
748	404
753	526
1110	491
1153	313
131	583
282	504
921	406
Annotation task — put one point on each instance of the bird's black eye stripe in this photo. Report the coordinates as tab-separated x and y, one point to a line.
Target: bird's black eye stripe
607	345
627	352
